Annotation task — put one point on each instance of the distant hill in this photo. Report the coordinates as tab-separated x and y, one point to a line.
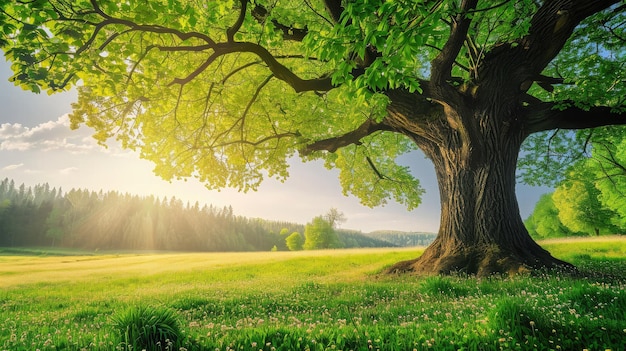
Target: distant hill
403	239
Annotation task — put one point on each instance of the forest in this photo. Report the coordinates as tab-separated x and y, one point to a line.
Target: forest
45	216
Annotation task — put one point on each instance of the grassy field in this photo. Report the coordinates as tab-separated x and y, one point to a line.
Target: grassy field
315	300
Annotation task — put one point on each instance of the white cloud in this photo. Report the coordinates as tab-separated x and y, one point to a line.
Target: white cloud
47	136
14	145
68	170
12	167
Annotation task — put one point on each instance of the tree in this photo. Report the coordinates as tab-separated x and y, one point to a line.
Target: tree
319	234
228	91
335	217
544	222
580	209
294	241
607	164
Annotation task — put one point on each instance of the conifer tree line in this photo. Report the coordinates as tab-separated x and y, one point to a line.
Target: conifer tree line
45	216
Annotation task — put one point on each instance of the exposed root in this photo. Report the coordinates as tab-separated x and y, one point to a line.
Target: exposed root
480	262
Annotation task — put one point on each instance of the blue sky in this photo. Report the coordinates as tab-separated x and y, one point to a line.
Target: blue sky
37	146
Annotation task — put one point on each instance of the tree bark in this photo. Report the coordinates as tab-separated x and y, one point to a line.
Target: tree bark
481	231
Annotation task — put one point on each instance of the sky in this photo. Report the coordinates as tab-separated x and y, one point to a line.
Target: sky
37	146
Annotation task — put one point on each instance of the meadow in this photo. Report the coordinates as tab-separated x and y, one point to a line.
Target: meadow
310	300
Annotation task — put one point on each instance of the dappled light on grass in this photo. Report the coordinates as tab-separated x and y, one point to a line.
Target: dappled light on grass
326	300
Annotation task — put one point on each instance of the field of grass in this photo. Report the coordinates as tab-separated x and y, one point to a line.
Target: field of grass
314	300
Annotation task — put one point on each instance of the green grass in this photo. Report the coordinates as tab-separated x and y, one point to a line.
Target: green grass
324	300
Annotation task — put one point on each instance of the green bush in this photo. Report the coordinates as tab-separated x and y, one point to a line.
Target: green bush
148	328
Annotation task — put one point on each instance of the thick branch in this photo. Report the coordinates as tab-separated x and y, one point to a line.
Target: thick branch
442	65
552	26
547	83
354	137
417	116
279	70
544	117
334	9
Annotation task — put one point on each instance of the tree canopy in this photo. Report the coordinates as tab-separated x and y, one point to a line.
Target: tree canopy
229	91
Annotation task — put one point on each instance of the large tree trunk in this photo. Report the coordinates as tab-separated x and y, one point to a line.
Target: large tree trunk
481	230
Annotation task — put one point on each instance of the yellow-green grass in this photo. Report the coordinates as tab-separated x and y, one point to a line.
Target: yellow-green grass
313	300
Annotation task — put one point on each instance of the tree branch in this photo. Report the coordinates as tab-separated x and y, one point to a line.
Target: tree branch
196	72
260	13
551	27
547	83
149	28
279	70
353	137
251	143
334	9
442	64
230	32
544	116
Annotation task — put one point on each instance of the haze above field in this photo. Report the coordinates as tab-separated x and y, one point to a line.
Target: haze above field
37	146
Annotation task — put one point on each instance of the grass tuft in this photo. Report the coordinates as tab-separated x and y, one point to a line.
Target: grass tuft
147	328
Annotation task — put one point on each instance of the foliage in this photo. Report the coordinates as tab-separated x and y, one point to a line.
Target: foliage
320	234
607	165
227	91
315	300
147	328
295	241
587	200
544	222
580	209
227	125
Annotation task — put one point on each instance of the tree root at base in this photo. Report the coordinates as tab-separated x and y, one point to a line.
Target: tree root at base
481	262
